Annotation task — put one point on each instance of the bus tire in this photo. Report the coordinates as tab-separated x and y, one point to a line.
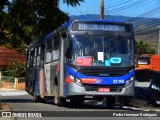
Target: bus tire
125	101
76	100
110	102
43	100
36	98
62	101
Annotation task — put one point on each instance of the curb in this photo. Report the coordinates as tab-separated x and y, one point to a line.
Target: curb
5	108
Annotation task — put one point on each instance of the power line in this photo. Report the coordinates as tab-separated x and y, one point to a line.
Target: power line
80	11
151	12
149	22
86	7
128	6
126	10
120	4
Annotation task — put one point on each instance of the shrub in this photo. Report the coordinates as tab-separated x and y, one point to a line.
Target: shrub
15	68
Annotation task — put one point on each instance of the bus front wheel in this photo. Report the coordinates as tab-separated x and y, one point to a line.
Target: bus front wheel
76	100
110	102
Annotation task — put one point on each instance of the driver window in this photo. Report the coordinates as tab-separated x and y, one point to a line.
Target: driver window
56	46
48	51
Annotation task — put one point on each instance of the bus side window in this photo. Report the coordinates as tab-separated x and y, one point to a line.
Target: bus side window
35	57
48	51
38	55
42	56
32	58
55	50
28	58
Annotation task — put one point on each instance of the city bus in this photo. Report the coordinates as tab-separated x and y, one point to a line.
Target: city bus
83	60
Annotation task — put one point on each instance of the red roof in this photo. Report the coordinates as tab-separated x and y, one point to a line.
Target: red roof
7	55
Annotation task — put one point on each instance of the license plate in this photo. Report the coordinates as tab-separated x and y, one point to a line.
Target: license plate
104	89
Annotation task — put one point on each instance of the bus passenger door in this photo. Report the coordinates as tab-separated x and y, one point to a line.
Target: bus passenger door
41	71
55	61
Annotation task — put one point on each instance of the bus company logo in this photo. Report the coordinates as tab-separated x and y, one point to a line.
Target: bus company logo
98	81
91	80
6	114
88	80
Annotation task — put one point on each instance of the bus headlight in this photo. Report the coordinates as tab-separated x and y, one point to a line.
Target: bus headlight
71	77
129	81
158	102
76	80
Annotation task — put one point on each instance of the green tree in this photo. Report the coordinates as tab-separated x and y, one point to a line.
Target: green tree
143	48
27	20
15	68
3	5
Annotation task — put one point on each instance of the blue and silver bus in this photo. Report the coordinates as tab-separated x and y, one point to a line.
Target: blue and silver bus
83	60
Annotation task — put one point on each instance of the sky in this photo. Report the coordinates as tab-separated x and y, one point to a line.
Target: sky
131	8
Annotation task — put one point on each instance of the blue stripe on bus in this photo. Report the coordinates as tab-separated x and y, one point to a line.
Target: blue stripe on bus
105	80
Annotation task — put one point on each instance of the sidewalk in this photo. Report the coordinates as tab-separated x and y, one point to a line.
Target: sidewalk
12	92
9	92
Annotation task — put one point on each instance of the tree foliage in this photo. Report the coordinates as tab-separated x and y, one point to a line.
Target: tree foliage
3	14
27	20
143	48
15	68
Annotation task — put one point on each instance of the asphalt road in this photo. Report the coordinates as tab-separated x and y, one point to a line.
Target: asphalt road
21	101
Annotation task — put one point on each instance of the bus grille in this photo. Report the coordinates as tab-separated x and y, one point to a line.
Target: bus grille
95	88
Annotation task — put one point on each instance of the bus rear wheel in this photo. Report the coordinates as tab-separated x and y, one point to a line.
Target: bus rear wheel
36	98
110	102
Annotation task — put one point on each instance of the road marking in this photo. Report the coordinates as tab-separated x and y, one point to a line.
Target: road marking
141	109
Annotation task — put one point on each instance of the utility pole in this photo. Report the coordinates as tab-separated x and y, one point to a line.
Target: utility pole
102	10
159	41
150	44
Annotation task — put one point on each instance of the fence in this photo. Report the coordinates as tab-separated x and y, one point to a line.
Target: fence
7	79
12	83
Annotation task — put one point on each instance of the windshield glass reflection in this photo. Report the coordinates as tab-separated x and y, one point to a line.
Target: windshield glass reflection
85	50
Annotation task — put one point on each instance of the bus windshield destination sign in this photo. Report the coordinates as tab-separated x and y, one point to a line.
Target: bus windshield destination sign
98	27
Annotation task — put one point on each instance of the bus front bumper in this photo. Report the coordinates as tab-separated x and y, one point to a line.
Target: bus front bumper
74	89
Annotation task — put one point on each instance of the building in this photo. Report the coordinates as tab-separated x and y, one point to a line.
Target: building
6	56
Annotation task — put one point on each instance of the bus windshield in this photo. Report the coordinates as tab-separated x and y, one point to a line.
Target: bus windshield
96	50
